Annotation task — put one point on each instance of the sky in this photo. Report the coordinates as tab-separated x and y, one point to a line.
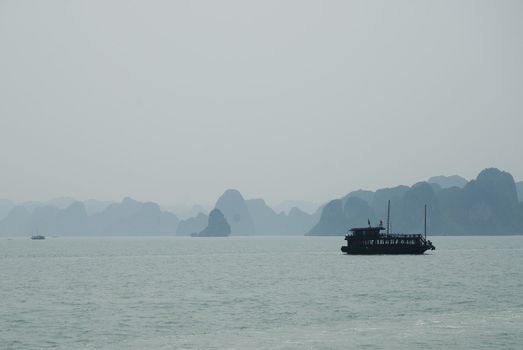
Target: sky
177	101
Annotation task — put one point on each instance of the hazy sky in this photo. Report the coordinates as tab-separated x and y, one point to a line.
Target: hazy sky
176	101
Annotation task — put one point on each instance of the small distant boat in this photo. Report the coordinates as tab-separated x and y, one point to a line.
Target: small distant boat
37	236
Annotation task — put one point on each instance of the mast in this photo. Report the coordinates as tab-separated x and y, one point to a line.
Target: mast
425	229
388	217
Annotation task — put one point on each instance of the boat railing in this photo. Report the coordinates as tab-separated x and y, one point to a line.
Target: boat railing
388	235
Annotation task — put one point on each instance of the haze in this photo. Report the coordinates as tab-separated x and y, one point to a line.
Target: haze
177	101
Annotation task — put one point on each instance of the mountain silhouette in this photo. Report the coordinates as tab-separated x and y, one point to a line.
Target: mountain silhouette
129	217
5	207
234	208
268	222
448	181
217	226
192	225
486	205
489	204
519	189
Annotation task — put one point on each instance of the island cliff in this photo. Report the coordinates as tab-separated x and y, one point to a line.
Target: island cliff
217	227
486	205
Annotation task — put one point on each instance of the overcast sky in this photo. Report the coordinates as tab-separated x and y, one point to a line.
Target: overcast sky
176	101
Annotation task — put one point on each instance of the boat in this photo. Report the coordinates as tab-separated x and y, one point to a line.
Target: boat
370	240
37	236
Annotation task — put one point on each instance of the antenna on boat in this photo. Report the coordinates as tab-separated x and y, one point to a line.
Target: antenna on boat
425	222
388	217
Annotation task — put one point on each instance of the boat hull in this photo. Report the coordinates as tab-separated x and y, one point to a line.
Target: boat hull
377	250
39	237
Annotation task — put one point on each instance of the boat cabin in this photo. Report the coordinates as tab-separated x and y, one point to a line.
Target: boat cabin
370	232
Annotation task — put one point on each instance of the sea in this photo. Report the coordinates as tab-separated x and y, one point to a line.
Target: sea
263	292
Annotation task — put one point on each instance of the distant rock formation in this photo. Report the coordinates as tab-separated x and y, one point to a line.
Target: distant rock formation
184	211
17	222
60	203
268	222
490	204
409	215
217	227
357	213
487	205
299	222
5	207
448	181
44	219
93	206
304	206
367	196
265	219
71	220
332	220
126	218
233	207
519	189
192	225
338	216
131	217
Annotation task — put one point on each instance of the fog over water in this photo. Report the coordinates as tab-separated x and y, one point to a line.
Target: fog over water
177	101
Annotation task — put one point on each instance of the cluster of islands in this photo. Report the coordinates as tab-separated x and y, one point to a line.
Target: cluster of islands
490	204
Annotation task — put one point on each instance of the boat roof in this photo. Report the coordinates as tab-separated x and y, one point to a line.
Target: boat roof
366	229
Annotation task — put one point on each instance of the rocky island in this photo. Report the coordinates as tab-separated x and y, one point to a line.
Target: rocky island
217	227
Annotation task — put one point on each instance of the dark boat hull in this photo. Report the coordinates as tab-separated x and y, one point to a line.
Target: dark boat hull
376	250
207	235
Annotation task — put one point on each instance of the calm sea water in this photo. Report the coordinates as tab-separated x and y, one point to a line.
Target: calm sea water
258	293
